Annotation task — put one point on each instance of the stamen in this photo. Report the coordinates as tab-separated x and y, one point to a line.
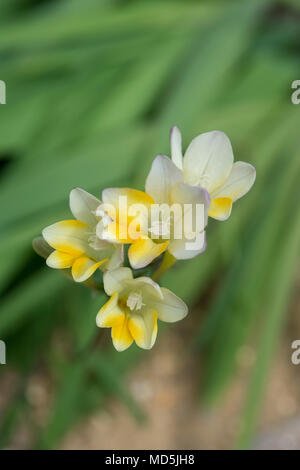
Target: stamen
134	301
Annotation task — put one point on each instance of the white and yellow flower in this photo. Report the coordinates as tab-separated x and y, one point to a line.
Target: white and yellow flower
134	307
166	186
75	243
208	162
155	230
129	224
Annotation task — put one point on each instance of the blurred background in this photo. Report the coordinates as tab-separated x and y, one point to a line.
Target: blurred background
93	88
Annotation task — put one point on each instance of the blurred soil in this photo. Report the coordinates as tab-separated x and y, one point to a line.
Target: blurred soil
166	384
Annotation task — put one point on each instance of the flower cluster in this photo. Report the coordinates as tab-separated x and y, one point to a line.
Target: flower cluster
166	221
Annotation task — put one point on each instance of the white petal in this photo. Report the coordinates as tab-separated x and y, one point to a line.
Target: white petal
148	287
83	206
171	308
163	175
69	236
100	228
176	146
114	280
41	247
187	249
97	244
239	182
116	258
60	260
208	160
112	252
194	203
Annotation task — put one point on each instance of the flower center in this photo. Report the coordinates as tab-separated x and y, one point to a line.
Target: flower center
134	301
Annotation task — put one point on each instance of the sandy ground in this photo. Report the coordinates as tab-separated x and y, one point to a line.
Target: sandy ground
166	385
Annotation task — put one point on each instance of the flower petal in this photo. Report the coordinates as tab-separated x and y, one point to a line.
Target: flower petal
143	251
115	233
41	247
208	160
171	308
60	260
191	198
163	175
83	268
83	206
176	146
110	314
114	280
97	244
187	249
239	182
150	289
116	258
220	208
143	328
69	236
111	196
121	335
128	209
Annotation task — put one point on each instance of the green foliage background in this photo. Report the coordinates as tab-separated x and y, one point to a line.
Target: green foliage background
93	88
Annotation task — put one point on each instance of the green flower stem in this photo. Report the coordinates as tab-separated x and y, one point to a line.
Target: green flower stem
167	262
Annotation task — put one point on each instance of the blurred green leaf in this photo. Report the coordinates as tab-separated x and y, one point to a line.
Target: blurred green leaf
92	90
275	305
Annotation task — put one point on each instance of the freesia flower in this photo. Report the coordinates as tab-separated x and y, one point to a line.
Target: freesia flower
134	307
182	227
129	224
208	162
157	216
75	243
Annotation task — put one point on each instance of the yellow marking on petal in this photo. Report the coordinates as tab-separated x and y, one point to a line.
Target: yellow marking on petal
134	196
139	197
114	318
130	214
220	208
110	314
139	328
72	223
84	267
68	236
121	335
136	330
68	249
60	260
155	329
112	301
116	233
143	251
